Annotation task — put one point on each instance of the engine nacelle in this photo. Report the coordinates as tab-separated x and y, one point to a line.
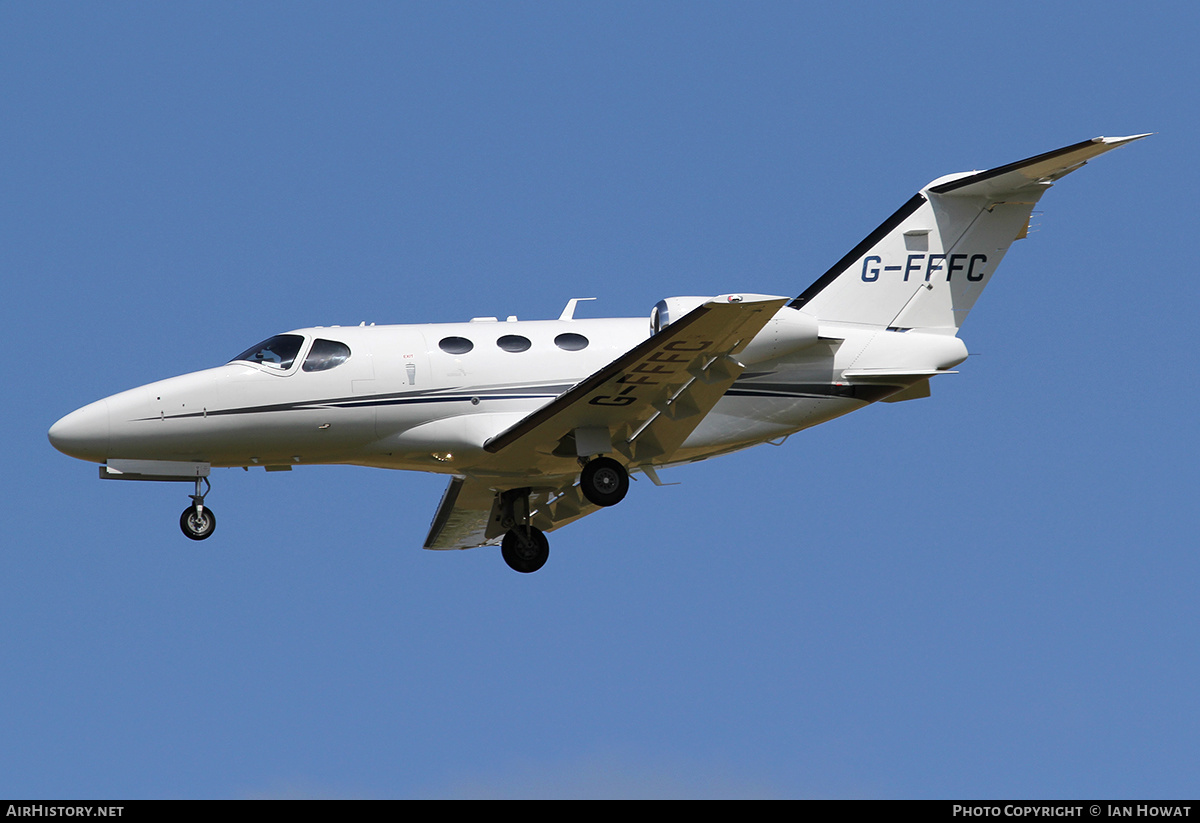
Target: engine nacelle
666	312
788	331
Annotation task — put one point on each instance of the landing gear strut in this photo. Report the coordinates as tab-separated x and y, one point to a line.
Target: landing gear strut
604	481
198	522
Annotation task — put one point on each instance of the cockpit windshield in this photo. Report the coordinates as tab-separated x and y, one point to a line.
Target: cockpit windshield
280	351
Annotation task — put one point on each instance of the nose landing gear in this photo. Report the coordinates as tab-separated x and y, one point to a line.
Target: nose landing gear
198	522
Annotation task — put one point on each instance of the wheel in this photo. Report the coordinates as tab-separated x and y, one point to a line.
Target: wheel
524	554
197	524
604	481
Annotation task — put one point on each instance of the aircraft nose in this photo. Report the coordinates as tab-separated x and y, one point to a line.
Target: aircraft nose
83	433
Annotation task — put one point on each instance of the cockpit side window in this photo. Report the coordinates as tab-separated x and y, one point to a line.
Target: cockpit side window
279	351
326	354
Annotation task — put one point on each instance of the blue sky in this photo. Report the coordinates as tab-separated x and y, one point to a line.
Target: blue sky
987	593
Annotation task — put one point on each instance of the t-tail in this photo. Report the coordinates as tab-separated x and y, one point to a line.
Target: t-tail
926	265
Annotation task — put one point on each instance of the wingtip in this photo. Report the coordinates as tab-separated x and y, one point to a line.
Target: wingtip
1116	141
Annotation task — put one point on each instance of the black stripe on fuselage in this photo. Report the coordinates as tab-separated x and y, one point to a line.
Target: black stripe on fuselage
865	393
456	395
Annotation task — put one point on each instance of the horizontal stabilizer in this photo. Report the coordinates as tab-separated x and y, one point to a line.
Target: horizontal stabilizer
917	391
1042	169
892	374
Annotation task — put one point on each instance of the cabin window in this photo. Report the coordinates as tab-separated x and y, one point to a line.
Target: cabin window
514	343
455	345
325	355
571	341
279	351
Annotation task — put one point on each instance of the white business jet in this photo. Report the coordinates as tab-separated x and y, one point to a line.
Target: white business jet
539	423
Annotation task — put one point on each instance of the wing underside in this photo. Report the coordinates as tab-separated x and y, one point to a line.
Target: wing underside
470	516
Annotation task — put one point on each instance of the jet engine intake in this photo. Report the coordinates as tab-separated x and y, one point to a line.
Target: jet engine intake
667	311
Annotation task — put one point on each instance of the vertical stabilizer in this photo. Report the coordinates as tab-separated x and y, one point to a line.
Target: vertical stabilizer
925	266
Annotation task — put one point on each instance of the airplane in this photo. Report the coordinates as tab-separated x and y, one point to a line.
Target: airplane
539	423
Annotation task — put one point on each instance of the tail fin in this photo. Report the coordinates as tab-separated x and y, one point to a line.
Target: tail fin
928	262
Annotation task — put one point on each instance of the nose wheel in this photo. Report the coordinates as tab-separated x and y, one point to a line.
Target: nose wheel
198	521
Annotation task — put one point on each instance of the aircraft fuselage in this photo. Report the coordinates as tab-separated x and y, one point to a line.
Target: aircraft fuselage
399	400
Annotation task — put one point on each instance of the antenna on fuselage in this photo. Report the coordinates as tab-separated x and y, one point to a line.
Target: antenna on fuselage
569	312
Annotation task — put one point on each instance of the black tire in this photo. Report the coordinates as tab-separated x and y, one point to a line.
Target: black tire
197	525
524	554
604	481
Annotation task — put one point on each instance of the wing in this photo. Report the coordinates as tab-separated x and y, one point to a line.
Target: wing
462	516
645	403
469	514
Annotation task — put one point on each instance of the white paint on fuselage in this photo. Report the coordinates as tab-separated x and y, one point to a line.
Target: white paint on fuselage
402	402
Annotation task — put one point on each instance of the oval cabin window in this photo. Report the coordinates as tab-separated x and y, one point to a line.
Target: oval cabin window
455	345
571	341
514	343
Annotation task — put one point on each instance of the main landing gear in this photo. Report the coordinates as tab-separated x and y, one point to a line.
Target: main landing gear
603	481
525	549
198	522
